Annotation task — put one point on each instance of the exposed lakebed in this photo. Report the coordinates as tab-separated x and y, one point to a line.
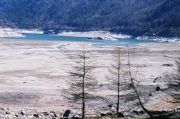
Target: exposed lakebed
34	72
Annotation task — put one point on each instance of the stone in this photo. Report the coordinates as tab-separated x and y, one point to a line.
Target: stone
135	112
158	88
168	65
22	113
109	114
150	94
75	118
36	115
66	113
110	105
7	112
16	115
45	113
53	114
103	115
138	112
120	114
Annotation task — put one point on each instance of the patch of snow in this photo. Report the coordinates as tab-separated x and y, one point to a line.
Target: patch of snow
34	31
104	35
159	39
8	32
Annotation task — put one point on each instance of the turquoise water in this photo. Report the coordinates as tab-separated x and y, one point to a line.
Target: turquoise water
47	37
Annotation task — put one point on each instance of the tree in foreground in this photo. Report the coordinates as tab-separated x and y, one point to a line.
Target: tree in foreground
122	76
175	84
133	83
116	74
82	77
173	81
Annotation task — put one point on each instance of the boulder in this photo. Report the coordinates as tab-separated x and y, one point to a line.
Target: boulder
7	112
53	114
99	38
158	88
36	115
150	94
45	113
103	115
22	113
110	105
16	115
109	114
66	113
138	112
120	114
75	118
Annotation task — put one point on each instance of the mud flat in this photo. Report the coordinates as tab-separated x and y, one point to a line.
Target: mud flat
34	75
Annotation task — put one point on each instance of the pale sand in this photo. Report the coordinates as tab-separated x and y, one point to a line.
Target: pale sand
34	75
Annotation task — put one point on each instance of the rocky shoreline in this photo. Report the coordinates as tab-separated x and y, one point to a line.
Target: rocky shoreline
28	114
68	114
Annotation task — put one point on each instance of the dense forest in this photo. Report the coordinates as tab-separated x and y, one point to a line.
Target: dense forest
135	17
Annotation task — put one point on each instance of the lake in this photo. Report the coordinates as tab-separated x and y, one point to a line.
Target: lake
48	37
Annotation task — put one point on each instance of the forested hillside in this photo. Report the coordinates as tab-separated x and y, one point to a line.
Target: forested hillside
135	17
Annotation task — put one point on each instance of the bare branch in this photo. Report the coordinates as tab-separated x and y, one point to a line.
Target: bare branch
83	72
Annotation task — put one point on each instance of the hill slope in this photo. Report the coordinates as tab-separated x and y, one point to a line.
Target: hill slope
135	17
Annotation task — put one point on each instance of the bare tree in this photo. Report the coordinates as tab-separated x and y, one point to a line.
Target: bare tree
115	71
122	77
83	79
132	84
177	81
178	65
174	82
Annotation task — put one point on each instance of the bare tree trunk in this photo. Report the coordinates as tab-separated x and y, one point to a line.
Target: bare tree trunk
115	70
135	90
83	73
83	101
83	92
118	89
140	102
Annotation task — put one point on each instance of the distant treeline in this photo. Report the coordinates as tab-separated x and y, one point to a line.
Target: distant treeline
134	17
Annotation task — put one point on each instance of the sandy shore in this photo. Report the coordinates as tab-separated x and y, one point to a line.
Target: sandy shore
34	75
